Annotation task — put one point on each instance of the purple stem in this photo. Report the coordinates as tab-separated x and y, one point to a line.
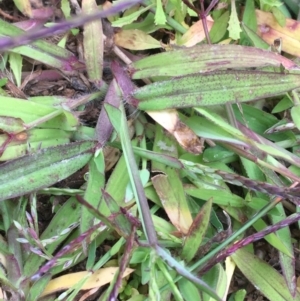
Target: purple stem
248	240
9	42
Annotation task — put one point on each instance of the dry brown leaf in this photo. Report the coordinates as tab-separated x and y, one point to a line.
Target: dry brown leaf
96	279
169	120
135	39
269	30
111	156
196	33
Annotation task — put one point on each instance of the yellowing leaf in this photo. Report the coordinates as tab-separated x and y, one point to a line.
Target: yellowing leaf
24	7
234	23
269	30
93	43
135	39
170	191
95	279
195	34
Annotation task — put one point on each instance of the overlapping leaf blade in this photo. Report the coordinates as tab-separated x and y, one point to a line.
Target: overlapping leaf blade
214	89
43	168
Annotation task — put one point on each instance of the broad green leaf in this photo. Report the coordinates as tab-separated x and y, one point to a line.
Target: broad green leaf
219	28
11	124
41	50
234	24
160	18
284	104
43	168
258	203
66	8
260	121
217	279
255	270
248	16
205	58
34	114
214	89
188	290
31	141
238	296
220	197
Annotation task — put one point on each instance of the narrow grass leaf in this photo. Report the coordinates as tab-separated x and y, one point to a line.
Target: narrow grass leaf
68	214
129	19
93	194
15	63
118	119
183	271
287	262
38	287
93	43
255	270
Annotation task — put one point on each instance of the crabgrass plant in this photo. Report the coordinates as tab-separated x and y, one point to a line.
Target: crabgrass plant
189	153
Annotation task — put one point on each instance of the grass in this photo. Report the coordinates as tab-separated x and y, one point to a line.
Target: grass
158	172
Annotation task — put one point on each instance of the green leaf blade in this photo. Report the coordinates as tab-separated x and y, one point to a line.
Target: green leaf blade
214	89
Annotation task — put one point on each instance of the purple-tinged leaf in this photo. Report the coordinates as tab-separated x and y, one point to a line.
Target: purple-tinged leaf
206	58
43	168
104	127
